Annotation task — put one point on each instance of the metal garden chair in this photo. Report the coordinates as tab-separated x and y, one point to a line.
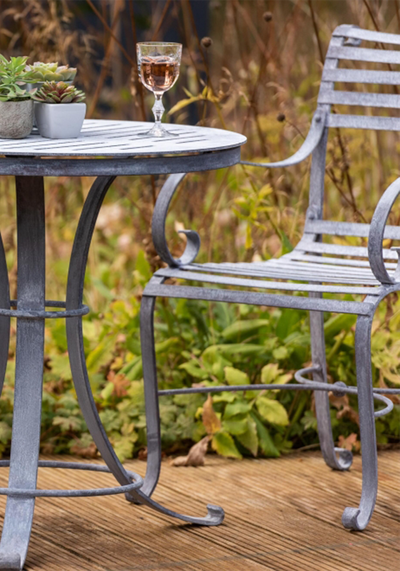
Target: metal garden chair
313	267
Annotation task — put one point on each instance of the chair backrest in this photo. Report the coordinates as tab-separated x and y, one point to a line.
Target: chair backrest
345	46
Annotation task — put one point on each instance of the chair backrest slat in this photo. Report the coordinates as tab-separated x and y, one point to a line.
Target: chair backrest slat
384	100
368	63
368	35
364	122
363	54
361	76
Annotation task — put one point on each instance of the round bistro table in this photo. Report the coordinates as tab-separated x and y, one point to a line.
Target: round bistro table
105	149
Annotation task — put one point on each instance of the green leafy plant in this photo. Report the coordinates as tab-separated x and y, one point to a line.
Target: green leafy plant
52	92
41	72
12	76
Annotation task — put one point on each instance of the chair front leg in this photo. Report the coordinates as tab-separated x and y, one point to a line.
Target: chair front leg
336	458
358	518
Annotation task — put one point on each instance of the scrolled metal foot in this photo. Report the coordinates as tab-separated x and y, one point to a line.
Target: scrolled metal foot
335	458
345	458
215	514
350	519
10	562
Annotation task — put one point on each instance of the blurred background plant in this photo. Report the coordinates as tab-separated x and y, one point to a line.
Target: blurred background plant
252	66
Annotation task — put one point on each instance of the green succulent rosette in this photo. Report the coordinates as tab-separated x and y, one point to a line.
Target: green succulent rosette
58	92
40	72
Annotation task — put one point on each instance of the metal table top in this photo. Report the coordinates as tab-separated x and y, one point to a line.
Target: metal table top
107	147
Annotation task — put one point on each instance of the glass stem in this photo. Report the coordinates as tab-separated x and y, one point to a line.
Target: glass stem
158	109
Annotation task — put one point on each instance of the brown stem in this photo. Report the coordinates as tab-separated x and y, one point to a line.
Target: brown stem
397	12
372	16
138	84
186	5
111	31
252	98
104	67
161	20
321	55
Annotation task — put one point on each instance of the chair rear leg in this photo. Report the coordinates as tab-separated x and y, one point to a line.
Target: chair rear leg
358	518
336	458
151	395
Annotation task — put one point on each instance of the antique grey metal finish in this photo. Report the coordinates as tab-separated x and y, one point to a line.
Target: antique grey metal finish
195	149
312	268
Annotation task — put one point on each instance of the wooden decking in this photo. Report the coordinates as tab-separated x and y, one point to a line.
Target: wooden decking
281	515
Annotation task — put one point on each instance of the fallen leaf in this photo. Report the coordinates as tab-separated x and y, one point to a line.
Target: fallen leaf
210	420
87	452
350	443
196	454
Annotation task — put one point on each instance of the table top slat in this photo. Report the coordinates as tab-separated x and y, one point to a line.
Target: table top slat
122	139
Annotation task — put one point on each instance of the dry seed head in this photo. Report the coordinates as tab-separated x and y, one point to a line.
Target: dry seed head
206	42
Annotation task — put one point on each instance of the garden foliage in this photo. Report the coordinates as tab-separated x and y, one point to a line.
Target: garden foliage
258	75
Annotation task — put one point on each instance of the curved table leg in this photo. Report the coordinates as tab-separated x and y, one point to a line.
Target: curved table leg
358	518
151	394
4	321
322	408
75	284
28	372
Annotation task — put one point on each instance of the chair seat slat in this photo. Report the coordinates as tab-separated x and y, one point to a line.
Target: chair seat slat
258	298
337	250
225	280
318	259
283	273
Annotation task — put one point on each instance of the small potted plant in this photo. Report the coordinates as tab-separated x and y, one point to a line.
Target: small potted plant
41	72
16	105
59	110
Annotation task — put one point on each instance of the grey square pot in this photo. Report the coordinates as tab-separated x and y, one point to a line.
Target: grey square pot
59	120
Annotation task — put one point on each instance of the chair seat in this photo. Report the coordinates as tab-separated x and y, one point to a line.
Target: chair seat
311	272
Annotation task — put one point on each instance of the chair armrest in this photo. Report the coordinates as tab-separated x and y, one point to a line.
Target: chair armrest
158	226
311	141
377	232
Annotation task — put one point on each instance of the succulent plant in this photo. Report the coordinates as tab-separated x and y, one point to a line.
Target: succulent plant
12	76
41	72
53	92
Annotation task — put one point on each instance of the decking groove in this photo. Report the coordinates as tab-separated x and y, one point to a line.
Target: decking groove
281	515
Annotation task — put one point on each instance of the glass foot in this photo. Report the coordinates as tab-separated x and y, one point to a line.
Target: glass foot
159	132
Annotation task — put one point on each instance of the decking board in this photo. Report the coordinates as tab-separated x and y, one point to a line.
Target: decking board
281	515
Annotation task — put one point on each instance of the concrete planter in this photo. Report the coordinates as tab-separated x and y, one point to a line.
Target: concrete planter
60	120
16	119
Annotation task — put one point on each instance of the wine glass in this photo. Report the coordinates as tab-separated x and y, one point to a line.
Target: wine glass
158	66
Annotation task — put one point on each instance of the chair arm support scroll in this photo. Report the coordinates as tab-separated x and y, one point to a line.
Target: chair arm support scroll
311	141
158	226
376	234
